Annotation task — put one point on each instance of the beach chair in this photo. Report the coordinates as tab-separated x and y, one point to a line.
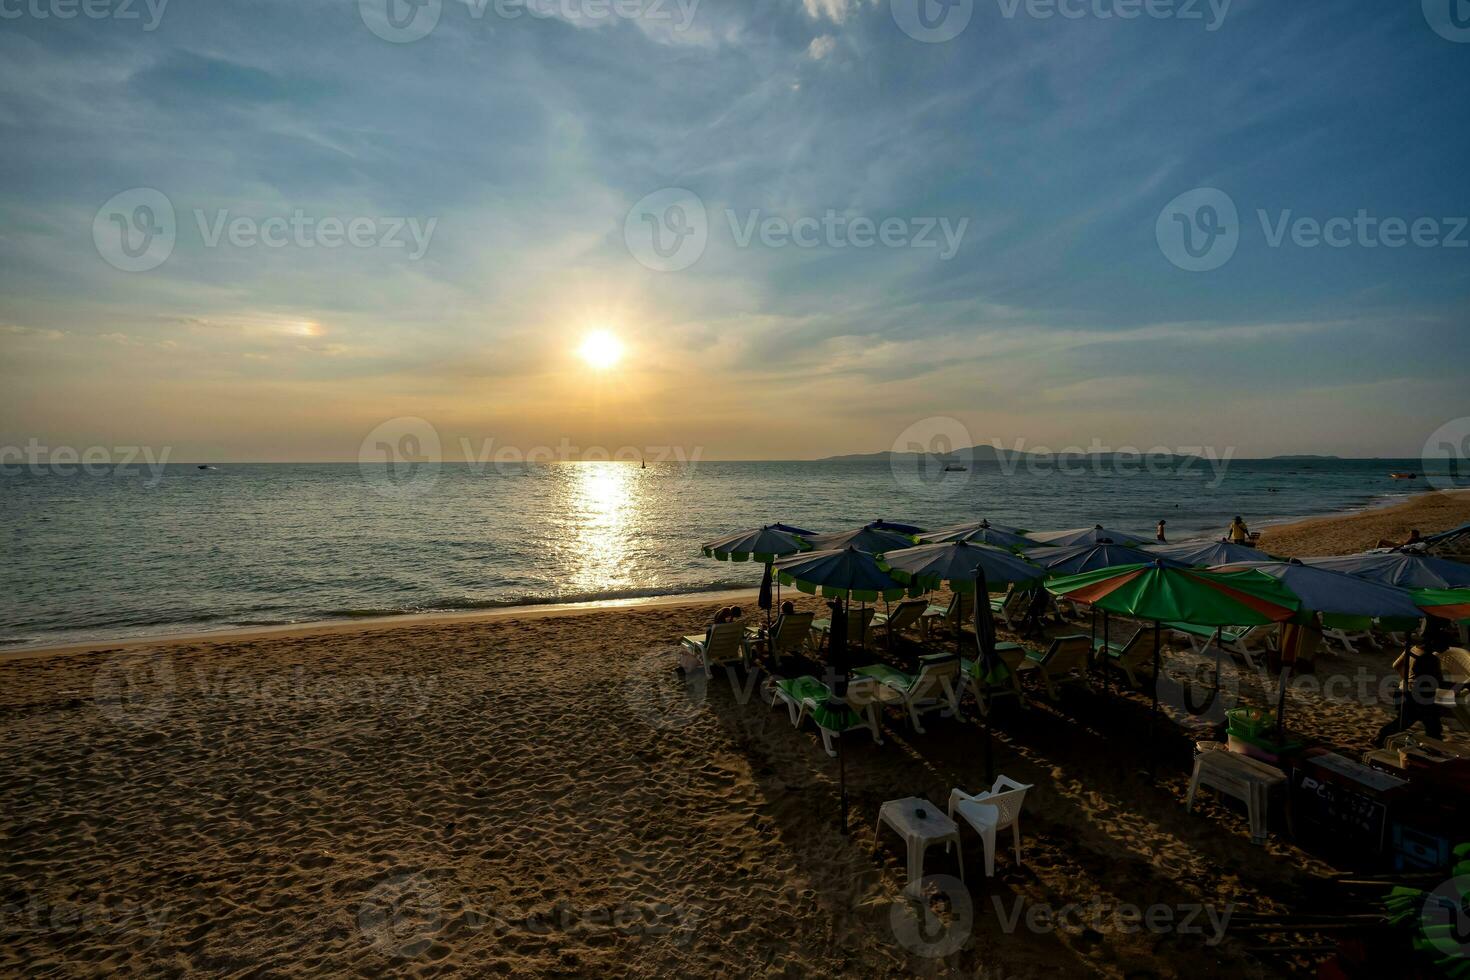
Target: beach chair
721	644
1128	657
859	626
789	634
936	686
991	811
907	614
807	697
961	610
1009	606
1012	655
1242	643
1065	659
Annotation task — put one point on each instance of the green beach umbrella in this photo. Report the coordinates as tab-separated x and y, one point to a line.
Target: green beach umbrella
1451	604
1160	593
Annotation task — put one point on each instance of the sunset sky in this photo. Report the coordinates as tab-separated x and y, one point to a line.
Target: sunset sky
518	147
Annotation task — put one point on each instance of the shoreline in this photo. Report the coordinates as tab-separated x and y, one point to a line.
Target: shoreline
1385	513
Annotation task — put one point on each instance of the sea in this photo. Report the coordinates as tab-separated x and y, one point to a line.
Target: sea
113	552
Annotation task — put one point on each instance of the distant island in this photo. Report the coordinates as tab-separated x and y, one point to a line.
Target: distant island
1304	456
991	454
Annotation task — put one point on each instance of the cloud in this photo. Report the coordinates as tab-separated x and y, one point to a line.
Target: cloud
834	10
821	46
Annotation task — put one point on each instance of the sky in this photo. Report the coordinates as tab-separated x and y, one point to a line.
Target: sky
1091	217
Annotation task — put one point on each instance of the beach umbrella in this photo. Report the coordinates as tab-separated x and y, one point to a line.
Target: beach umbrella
839	573
1097	534
1402	568
956	562
1336	597
1078	558
982	533
869	538
793	529
989	659
1322	590
764	544
1208	554
883	525
845	574
969	525
1451	604
1160	593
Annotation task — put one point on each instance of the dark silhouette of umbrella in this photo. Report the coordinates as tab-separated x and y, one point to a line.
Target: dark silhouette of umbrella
870	538
1078	558
1401	568
982	533
1207	554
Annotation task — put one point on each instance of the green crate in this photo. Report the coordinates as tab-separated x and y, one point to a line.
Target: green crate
1249	722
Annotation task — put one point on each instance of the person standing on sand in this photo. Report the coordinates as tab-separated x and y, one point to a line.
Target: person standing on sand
1160	533
1426	677
1238	533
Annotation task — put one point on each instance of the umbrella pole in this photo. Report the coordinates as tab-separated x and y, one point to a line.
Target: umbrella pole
1154	714
1404	687
1104	661
841	660
1217	660
1281	705
986	664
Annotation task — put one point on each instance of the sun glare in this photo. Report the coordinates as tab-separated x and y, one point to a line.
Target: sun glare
601	350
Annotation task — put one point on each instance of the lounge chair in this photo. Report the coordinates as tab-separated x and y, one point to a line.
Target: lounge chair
789	634
808	697
907	614
1128	657
859	624
990	811
936	686
722	643
1066	658
1012	655
1347	639
961	610
1010	606
1242	643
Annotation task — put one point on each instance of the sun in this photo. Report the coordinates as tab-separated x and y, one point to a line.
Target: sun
601	350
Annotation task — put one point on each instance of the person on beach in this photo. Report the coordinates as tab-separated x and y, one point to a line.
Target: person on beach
1426	677
788	608
1411	540
1238	533
1159	533
723	616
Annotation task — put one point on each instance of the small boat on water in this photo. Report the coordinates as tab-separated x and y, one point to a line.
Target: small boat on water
955	468
1403	476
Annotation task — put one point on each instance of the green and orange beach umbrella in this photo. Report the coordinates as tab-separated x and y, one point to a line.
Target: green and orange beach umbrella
1164	594
1451	604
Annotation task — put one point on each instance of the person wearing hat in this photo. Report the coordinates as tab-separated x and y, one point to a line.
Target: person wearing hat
1238	532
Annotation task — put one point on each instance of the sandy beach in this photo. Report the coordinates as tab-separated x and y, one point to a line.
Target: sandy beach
545	794
1428	512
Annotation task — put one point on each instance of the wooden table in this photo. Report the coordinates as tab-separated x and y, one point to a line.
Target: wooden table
1242	777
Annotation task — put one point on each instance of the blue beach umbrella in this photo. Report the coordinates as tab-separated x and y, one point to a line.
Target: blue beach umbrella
1207	554
1333	593
869	538
839	573
956	562
1097	534
1075	559
1400	568
982	532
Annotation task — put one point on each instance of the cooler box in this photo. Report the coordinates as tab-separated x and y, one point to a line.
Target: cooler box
1343	805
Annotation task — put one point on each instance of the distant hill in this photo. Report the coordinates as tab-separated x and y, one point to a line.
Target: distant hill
1303	456
985	454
